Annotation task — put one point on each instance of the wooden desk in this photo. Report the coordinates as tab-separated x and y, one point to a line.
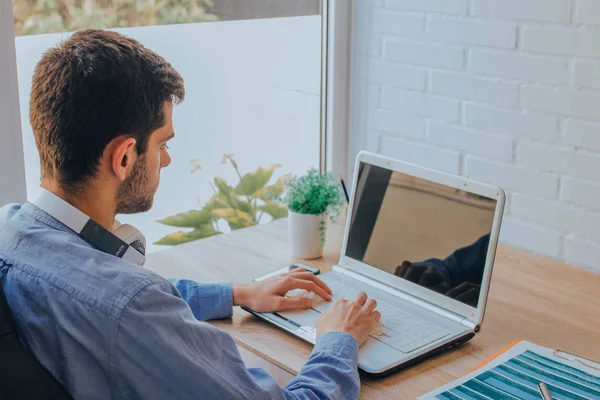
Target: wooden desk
531	298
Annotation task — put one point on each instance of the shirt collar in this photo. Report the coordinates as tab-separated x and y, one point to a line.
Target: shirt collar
43	217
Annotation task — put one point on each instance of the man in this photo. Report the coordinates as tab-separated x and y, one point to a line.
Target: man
458	276
101	111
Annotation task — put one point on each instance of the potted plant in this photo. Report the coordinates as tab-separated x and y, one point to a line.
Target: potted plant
311	200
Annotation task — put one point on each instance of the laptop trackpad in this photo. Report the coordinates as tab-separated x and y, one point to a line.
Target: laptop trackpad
301	317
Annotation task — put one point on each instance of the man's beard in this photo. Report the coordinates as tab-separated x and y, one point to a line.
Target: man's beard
135	194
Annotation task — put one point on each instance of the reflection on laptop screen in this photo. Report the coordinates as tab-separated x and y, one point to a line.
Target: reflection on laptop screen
430	234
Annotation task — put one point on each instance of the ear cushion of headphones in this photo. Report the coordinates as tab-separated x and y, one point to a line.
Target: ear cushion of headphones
130	235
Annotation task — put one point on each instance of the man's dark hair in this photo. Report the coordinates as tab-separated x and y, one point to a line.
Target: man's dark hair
90	89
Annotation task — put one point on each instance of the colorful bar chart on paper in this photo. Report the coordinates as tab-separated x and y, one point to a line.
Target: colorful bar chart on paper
517	373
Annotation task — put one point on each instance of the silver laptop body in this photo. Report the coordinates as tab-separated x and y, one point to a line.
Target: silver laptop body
422	243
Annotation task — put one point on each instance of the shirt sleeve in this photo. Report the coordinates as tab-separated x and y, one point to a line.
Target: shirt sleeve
162	351
206	300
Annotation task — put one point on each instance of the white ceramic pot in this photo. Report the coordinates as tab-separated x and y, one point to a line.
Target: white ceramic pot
305	235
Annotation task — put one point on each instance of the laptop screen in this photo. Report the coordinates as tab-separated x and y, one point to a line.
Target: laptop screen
430	234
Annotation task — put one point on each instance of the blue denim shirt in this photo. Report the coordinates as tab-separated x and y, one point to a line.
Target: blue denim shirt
108	329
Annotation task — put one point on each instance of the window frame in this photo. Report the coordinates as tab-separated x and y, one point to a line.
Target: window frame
335	85
12	162
333	132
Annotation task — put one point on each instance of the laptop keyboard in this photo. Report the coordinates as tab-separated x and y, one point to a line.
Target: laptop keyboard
396	328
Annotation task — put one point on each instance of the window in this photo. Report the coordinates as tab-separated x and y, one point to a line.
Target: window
253	94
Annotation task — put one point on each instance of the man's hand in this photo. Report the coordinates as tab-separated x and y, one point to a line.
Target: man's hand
354	317
269	295
467	292
423	275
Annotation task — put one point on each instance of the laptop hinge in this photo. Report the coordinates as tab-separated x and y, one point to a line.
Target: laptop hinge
405	296
472	326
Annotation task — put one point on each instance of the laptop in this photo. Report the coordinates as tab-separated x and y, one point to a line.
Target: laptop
422	243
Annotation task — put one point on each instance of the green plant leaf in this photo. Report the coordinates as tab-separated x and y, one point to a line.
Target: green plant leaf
223	187
246	207
181	237
231	160
314	194
232	214
275	210
189	219
273	191
236	225
253	181
45	16
217	200
227	194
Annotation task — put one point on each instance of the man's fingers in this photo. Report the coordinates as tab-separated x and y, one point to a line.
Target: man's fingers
295	271
469	297
370	305
414	272
401	271
309	276
430	277
441	288
462	288
294	303
375	316
361	298
294	283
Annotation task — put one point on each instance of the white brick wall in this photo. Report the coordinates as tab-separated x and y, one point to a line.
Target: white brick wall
581	193
420	104
420	153
470	141
561	41
444	6
568	102
474	88
398	24
397	75
528	10
463	30
588	12
518	233
518	66
587	74
513	177
399	124
503	91
423	54
559	160
582	253
517	124
582	134
557	215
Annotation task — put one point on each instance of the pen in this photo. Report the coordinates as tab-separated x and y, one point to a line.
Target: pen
544	391
345	191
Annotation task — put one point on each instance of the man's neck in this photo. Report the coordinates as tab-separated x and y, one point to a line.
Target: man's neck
96	204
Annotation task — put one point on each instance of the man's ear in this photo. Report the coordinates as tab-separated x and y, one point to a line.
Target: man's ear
123	157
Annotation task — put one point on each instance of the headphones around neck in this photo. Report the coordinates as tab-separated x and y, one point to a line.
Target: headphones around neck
130	235
125	241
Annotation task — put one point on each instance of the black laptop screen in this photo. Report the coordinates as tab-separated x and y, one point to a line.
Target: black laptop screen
430	234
